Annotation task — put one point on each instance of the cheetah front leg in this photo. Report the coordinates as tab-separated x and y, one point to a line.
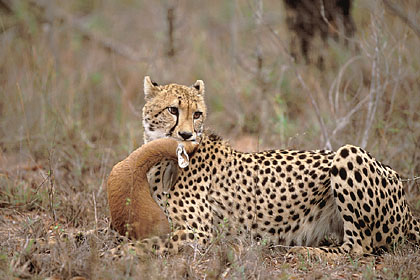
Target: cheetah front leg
162	245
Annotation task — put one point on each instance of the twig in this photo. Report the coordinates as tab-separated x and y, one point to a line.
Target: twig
51	189
342	122
5	5
95	210
305	87
51	175
336	84
398	11
28	139
413	179
170	17
375	91
107	43
317	111
328	23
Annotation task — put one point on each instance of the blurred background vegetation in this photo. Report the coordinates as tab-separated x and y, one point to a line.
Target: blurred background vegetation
71	76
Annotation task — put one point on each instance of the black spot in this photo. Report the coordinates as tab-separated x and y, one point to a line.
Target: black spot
383	182
378	237
385	228
366	207
370	193
279	219
303	156
365	171
334	170
344	153
358	176
360	194
341	197
348	218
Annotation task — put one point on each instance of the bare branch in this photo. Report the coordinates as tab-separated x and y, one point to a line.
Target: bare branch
317	111
107	43
305	87
170	17
376	90
399	12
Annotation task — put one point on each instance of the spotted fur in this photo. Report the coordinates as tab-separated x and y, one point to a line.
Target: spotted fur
287	197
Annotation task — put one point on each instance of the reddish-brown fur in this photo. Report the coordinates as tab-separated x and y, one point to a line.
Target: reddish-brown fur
133	210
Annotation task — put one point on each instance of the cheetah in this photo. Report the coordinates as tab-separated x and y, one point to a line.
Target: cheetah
285	197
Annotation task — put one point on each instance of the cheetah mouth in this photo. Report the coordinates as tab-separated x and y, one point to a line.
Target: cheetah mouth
194	141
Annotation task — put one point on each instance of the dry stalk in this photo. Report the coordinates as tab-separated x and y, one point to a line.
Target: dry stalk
398	11
51	187
334	101
59	15
331	26
95	211
376	88
305	87
170	18
258	17
317	111
28	139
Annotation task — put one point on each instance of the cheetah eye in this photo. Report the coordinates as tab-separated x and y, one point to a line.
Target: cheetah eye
173	110
197	115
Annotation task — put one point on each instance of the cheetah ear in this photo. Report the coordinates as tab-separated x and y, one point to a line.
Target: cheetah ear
199	86
150	88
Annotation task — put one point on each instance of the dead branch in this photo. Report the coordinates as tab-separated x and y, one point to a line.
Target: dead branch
399	12
305	87
5	5
170	17
317	111
57	14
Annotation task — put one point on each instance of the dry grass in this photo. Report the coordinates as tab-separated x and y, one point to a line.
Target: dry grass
69	110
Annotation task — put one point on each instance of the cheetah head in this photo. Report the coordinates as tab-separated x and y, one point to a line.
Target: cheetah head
173	110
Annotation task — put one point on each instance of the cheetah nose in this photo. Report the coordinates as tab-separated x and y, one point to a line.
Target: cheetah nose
185	135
